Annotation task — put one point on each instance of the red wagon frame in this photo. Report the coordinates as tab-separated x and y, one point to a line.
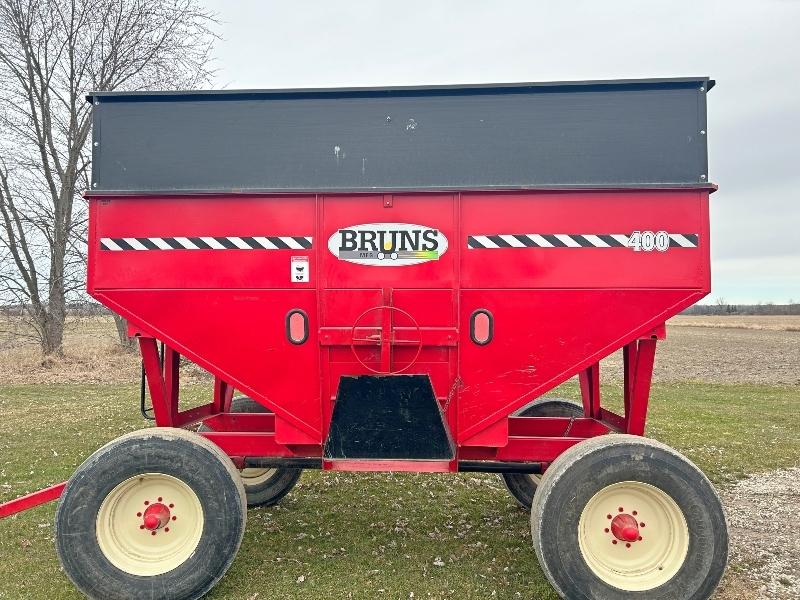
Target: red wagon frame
250	438
395	278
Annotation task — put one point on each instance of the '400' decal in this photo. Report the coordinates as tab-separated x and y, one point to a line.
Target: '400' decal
648	241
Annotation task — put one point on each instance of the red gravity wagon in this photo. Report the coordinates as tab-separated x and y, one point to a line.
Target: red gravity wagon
393	279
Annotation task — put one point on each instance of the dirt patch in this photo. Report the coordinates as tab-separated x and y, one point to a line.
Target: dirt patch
764	518
723	355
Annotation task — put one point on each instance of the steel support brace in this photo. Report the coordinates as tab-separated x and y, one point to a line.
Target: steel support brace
223	394
163	382
638	361
590	391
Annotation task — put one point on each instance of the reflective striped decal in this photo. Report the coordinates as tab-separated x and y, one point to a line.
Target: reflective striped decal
207	243
571	240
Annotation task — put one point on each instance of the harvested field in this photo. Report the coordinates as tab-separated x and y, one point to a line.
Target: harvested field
761	353
758	322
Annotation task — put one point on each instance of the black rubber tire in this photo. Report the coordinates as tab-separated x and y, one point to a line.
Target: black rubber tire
271	491
182	454
522	486
580	472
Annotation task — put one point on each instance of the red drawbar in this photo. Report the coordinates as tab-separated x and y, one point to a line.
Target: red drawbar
32	500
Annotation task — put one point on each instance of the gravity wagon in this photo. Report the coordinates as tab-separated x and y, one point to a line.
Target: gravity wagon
393	279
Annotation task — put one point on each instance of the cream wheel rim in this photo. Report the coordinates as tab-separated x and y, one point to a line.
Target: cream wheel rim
633	536
149	524
252	476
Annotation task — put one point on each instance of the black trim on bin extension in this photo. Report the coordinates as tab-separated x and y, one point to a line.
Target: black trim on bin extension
288	326
495	466
472	326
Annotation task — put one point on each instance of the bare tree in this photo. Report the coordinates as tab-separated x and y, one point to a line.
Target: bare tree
52	52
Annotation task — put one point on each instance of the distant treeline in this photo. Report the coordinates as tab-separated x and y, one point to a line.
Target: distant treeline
74	309
720	307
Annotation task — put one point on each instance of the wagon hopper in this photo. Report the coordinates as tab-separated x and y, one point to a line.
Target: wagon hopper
394	279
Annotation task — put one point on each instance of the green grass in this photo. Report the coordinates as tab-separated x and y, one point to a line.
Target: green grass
342	535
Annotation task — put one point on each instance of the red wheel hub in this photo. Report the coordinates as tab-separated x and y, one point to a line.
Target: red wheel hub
625	528
156	516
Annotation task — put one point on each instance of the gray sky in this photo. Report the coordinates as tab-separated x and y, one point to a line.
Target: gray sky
751	48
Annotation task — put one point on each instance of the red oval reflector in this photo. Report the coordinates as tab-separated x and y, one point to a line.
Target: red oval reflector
297	327
481	327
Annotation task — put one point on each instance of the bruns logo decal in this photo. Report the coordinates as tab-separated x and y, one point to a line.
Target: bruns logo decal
387	244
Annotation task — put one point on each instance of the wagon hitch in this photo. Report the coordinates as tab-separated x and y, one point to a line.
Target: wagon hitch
31	500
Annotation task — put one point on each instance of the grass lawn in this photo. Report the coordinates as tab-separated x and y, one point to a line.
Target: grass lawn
342	535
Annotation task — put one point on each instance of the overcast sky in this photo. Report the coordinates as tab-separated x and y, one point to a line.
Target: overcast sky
751	48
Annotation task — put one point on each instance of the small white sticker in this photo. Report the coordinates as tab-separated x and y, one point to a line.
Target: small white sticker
299	271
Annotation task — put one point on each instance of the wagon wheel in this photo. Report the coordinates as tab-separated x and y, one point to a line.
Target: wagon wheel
522	486
619	515
157	513
378	341
263	486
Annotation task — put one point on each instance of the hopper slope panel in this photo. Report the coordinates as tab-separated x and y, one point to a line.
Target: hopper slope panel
240	336
542	338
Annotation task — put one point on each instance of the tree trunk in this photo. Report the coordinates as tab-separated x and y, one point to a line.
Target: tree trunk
122	333
52	341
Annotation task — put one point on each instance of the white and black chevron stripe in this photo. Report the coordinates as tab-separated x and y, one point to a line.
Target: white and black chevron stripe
571	240
207	243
